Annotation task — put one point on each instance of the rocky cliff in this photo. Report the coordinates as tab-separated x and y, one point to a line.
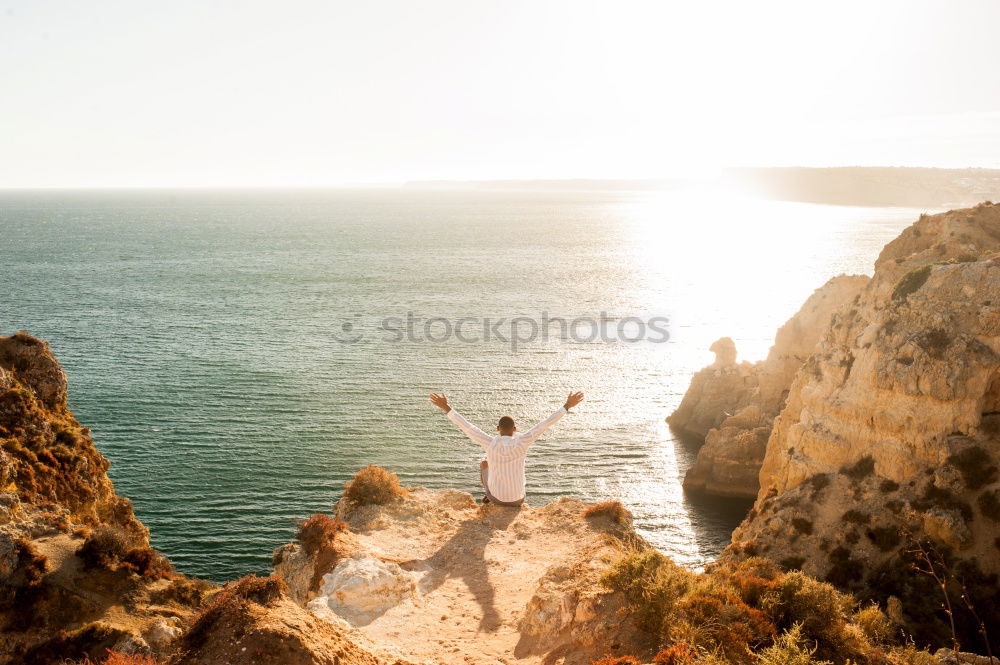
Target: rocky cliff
432	577
883	461
394	576
731	407
78	574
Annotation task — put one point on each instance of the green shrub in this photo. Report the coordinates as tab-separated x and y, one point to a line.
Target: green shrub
910	655
820	611
886	538
188	591
818	483
846	571
911	282
652	584
876	626
888	486
934	496
791	648
975	465
105	548
722	621
989	504
680	653
856	517
861	469
802	525
110	548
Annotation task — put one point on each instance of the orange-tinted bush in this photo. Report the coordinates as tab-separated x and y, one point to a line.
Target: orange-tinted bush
105	547
724	621
110	548
616	660
613	510
147	562
676	654
373	484
119	658
752	578
319	530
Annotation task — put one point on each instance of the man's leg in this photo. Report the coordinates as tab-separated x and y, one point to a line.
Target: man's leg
484	474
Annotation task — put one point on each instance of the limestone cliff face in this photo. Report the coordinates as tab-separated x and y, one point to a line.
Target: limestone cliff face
715	393
889	435
47	457
914	362
72	553
738	403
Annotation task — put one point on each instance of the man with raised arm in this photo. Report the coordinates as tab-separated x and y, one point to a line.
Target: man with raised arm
502	472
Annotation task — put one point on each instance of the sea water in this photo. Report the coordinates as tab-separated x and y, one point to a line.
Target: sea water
238	355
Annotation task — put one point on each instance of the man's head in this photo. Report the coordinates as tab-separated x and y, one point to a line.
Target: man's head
506	426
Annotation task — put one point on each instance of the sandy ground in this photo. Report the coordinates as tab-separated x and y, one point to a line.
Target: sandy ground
477	568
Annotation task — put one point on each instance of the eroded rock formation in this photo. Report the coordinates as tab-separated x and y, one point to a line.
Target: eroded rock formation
56	501
888	445
433	577
733	406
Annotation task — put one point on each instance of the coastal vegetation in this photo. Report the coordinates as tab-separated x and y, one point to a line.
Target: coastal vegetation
373	485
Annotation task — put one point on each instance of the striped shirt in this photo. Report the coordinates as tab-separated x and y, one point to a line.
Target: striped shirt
505	454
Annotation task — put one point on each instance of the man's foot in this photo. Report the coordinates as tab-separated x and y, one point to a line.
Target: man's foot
486	500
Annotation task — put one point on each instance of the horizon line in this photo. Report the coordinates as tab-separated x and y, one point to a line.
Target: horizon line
424	182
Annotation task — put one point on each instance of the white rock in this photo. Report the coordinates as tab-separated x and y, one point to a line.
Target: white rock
364	587
162	633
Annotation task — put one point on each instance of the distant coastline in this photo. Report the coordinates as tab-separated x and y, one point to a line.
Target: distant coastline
873	186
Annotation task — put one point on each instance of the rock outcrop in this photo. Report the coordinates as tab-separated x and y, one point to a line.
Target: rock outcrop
733	406
887	449
253	620
433	577
71	549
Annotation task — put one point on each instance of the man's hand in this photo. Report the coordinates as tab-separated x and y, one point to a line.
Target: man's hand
573	400
441	402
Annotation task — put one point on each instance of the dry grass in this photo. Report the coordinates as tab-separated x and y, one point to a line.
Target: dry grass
680	653
613	510
239	593
110	548
747	612
318	531
616	660
373	485
119	658
876	626
190	592
318	535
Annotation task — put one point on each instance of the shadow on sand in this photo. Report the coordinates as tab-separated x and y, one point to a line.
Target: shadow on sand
463	556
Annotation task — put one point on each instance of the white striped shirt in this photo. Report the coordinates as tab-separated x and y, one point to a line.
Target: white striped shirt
505	454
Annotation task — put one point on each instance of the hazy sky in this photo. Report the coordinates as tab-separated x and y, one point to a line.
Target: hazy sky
105	93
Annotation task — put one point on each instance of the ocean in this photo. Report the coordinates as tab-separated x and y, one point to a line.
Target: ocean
238	355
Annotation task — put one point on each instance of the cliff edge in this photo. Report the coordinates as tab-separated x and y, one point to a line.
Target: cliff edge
880	471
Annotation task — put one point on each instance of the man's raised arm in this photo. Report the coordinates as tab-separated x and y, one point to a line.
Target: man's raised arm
477	435
532	434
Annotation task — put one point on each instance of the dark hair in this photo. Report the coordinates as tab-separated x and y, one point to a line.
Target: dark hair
506	423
